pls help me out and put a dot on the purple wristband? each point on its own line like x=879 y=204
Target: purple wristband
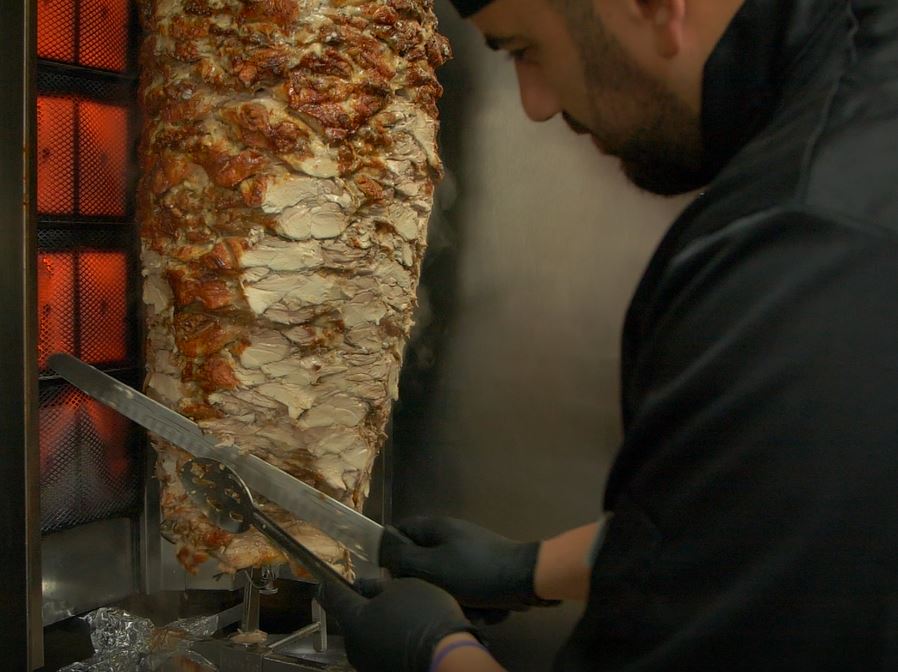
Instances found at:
x=441 y=656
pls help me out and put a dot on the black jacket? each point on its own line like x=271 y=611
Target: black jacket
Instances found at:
x=756 y=491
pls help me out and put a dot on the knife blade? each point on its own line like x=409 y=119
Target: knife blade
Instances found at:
x=360 y=535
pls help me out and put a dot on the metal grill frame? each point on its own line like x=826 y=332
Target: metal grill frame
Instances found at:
x=76 y=484
x=77 y=15
x=56 y=113
x=78 y=234
x=74 y=239
x=21 y=638
x=103 y=190
x=57 y=80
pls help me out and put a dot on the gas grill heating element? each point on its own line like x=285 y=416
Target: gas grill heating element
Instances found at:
x=87 y=267
x=97 y=480
x=91 y=33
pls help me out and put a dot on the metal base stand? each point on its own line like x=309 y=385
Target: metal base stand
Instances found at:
x=304 y=649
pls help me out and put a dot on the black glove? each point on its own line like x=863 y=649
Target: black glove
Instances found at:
x=479 y=568
x=398 y=628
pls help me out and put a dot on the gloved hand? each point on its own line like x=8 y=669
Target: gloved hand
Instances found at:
x=398 y=628
x=479 y=568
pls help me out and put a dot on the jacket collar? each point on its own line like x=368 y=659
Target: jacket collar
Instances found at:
x=745 y=76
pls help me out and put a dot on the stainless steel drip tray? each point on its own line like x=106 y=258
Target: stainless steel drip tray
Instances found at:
x=298 y=656
x=288 y=612
x=69 y=641
x=86 y=567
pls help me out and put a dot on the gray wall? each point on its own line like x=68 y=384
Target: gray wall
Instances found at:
x=508 y=413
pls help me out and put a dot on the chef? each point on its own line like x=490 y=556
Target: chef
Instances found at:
x=752 y=512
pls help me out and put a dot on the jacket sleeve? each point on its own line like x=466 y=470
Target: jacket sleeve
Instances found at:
x=756 y=492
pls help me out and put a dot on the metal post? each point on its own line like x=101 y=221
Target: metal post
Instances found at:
x=249 y=622
x=21 y=642
x=150 y=544
x=319 y=640
x=258 y=582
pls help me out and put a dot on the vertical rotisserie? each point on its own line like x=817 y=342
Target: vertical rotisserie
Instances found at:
x=288 y=161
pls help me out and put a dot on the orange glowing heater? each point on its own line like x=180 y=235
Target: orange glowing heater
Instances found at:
x=55 y=301
x=96 y=304
x=81 y=485
x=92 y=33
x=88 y=276
x=55 y=155
x=82 y=153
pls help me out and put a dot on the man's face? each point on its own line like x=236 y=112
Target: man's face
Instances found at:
x=569 y=63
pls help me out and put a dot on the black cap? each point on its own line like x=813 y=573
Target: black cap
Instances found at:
x=468 y=7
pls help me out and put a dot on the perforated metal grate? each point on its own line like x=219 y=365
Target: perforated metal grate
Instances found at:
x=88 y=274
x=84 y=287
x=90 y=460
x=102 y=159
x=82 y=157
x=55 y=155
x=103 y=306
x=56 y=30
x=103 y=39
x=91 y=33
x=55 y=304
x=85 y=84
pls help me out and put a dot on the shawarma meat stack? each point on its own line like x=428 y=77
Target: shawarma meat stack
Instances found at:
x=288 y=161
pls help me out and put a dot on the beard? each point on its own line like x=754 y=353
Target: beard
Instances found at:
x=662 y=167
x=633 y=116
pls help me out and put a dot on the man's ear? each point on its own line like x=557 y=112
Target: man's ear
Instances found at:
x=666 y=19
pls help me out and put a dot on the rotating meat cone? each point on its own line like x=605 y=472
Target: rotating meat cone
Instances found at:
x=288 y=161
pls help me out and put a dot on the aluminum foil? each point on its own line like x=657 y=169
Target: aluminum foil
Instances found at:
x=124 y=642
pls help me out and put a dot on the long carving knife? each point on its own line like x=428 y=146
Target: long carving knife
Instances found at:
x=360 y=535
